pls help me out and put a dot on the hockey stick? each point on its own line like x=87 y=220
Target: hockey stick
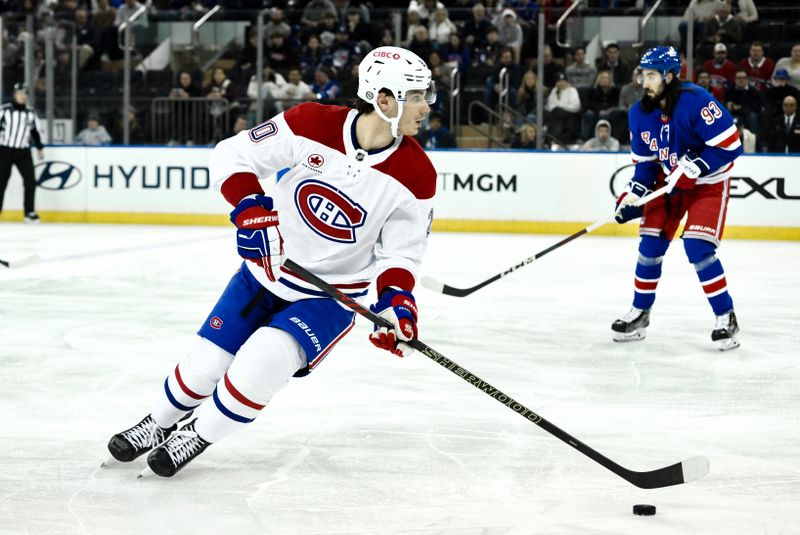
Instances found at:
x=676 y=474
x=438 y=286
x=27 y=261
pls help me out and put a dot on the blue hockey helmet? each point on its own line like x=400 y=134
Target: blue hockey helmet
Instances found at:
x=663 y=59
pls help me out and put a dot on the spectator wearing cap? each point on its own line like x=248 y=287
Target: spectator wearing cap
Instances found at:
x=792 y=66
x=509 y=33
x=721 y=69
x=783 y=135
x=440 y=27
x=619 y=69
x=723 y=27
x=580 y=73
x=94 y=133
x=325 y=88
x=759 y=68
x=314 y=10
x=476 y=28
x=563 y=108
x=773 y=101
x=743 y=101
x=344 y=50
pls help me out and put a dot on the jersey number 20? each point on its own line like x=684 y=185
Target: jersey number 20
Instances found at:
x=711 y=113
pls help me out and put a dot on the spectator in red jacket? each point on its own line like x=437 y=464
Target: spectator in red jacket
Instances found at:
x=721 y=69
x=759 y=68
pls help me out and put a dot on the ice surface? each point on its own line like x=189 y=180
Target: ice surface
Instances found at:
x=370 y=443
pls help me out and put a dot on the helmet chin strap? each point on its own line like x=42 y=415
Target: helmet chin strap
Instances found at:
x=395 y=121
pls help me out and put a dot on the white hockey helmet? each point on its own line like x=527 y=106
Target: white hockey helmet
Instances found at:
x=398 y=70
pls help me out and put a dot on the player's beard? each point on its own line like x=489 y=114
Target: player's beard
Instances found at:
x=651 y=103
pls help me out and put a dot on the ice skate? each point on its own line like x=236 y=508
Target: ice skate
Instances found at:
x=171 y=456
x=632 y=326
x=138 y=440
x=32 y=217
x=724 y=333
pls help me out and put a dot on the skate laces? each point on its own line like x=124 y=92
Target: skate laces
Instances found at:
x=145 y=434
x=183 y=445
x=632 y=315
x=723 y=322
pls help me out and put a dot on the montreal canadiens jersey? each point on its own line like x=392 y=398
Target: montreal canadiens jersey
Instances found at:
x=699 y=124
x=346 y=214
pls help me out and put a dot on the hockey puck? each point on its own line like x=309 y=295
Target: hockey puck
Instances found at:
x=644 y=509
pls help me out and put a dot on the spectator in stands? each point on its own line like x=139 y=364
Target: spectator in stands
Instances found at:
x=455 y=55
x=426 y=8
x=86 y=39
x=248 y=56
x=325 y=88
x=186 y=87
x=745 y=11
x=239 y=124
x=222 y=87
x=579 y=73
x=748 y=138
x=326 y=26
x=526 y=96
x=721 y=69
x=509 y=33
x=704 y=81
x=51 y=29
x=94 y=133
x=783 y=135
x=277 y=24
x=280 y=53
x=344 y=50
x=436 y=136
x=11 y=55
x=563 y=111
x=486 y=56
x=602 y=140
x=349 y=85
x=702 y=12
x=314 y=54
x=773 y=101
x=342 y=7
x=792 y=66
x=440 y=27
x=759 y=69
x=361 y=31
x=272 y=84
x=743 y=101
x=476 y=28
x=294 y=90
x=414 y=22
x=551 y=68
x=421 y=44
x=314 y=10
x=109 y=52
x=620 y=71
x=723 y=27
x=493 y=83
x=527 y=11
x=524 y=137
x=630 y=93
x=601 y=103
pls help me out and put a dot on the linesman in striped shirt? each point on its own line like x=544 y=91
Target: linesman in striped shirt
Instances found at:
x=19 y=127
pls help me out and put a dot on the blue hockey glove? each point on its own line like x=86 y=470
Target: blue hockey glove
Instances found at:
x=258 y=237
x=400 y=308
x=626 y=208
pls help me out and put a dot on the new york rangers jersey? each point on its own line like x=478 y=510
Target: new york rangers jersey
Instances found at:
x=699 y=124
x=346 y=214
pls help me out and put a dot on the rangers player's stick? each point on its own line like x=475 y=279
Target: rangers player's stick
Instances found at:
x=682 y=472
x=437 y=286
x=19 y=263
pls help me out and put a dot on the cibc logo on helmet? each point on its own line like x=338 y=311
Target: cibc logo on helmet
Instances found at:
x=384 y=54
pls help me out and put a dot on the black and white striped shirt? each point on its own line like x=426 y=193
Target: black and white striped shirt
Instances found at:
x=19 y=126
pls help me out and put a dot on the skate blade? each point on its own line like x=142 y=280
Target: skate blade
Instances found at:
x=147 y=472
x=634 y=336
x=727 y=344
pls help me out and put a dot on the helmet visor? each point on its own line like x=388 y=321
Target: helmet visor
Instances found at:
x=417 y=97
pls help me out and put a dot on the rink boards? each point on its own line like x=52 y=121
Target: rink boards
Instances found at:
x=477 y=191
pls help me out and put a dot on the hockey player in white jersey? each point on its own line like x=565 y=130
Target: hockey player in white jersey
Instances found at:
x=354 y=206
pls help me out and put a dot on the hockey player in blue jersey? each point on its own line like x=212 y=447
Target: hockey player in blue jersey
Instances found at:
x=678 y=125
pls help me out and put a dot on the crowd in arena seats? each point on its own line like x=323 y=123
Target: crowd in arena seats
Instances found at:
x=749 y=59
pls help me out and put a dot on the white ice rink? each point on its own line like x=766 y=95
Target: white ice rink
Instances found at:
x=373 y=444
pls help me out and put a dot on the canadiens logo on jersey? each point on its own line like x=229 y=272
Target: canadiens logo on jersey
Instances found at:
x=329 y=212
x=215 y=322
